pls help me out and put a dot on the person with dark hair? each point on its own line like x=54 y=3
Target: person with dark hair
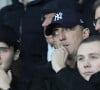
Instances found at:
x=25 y=16
x=9 y=53
x=97 y=15
x=88 y=65
x=68 y=30
x=86 y=9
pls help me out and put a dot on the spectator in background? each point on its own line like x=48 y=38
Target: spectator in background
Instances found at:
x=25 y=17
x=85 y=8
x=97 y=15
x=9 y=53
x=58 y=5
x=72 y=31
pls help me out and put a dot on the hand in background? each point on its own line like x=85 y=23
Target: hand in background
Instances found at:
x=5 y=79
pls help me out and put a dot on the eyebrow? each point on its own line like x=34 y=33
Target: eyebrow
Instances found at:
x=80 y=55
x=94 y=54
x=4 y=47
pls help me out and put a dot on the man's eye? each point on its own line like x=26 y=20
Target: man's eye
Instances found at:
x=94 y=57
x=80 y=58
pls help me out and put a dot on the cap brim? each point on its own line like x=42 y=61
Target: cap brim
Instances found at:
x=50 y=28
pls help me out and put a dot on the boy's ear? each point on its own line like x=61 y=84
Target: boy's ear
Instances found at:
x=86 y=33
x=16 y=55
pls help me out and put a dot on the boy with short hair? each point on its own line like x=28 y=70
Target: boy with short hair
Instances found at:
x=86 y=74
x=9 y=52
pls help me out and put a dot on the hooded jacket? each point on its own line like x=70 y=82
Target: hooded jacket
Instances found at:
x=26 y=20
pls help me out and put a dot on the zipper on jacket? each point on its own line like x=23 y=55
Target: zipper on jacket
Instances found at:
x=20 y=27
x=25 y=8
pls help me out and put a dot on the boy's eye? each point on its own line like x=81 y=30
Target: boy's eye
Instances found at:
x=4 y=49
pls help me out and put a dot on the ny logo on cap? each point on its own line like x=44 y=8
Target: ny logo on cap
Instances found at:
x=58 y=16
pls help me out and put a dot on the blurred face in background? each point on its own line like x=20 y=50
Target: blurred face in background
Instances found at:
x=97 y=19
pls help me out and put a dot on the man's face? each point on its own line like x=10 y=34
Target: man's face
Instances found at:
x=70 y=38
x=88 y=59
x=97 y=19
x=6 y=56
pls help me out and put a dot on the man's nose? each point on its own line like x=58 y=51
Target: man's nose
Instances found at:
x=87 y=64
x=62 y=37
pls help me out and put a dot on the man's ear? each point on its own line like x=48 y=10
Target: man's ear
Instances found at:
x=16 y=55
x=86 y=33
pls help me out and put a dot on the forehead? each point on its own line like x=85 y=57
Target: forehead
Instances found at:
x=2 y=44
x=91 y=47
x=97 y=13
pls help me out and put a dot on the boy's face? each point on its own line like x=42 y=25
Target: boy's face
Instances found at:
x=7 y=55
x=88 y=59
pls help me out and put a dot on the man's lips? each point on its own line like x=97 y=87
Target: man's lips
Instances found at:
x=88 y=73
x=66 y=45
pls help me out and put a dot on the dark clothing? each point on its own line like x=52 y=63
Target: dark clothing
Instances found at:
x=86 y=9
x=44 y=81
x=68 y=4
x=28 y=25
x=26 y=20
x=70 y=79
x=59 y=5
x=14 y=83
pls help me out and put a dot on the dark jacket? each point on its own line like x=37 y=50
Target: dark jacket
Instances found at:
x=44 y=81
x=26 y=20
x=70 y=79
x=68 y=4
x=14 y=84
